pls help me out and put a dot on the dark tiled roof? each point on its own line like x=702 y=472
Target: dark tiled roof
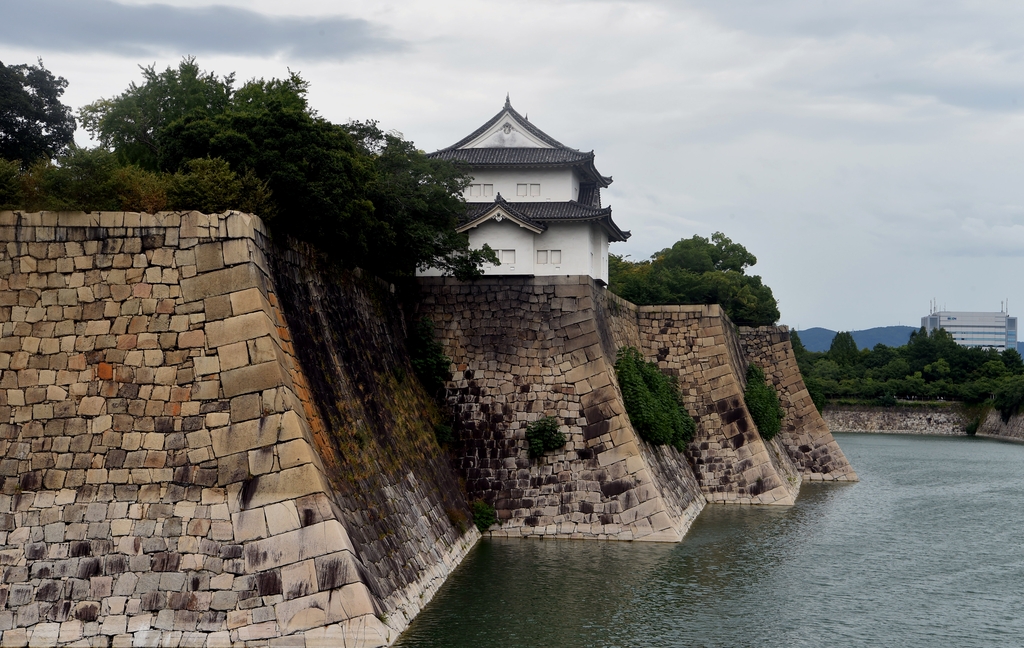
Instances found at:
x=514 y=156
x=539 y=213
x=558 y=155
x=590 y=194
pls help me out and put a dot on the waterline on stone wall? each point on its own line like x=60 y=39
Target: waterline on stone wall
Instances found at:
x=925 y=551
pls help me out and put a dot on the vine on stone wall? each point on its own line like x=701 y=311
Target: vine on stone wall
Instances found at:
x=652 y=401
x=763 y=403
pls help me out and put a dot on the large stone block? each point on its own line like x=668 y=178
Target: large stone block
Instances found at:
x=222 y=282
x=255 y=378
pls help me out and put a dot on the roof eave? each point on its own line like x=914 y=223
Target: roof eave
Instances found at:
x=514 y=215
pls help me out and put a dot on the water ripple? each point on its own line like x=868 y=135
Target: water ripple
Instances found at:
x=925 y=551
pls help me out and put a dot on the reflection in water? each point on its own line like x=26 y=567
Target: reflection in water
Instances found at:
x=925 y=551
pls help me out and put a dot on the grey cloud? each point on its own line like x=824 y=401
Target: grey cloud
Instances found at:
x=139 y=30
x=877 y=49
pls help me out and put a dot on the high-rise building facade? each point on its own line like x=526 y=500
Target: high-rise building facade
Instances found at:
x=986 y=330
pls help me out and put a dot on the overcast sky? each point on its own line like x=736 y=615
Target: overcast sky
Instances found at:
x=869 y=153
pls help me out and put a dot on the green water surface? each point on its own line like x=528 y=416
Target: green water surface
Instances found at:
x=927 y=550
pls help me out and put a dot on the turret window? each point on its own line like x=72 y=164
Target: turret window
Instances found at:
x=508 y=256
x=477 y=190
x=525 y=190
x=549 y=256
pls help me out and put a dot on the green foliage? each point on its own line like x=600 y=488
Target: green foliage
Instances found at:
x=929 y=367
x=843 y=350
x=697 y=271
x=816 y=391
x=1013 y=362
x=1009 y=397
x=139 y=190
x=484 y=515
x=10 y=184
x=763 y=403
x=134 y=123
x=34 y=124
x=972 y=427
x=429 y=362
x=652 y=401
x=208 y=185
x=886 y=400
x=188 y=139
x=798 y=346
x=445 y=435
x=81 y=179
x=543 y=435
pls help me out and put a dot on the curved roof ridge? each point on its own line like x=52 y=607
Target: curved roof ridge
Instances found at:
x=523 y=121
x=539 y=214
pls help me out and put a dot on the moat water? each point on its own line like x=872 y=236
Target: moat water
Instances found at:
x=927 y=550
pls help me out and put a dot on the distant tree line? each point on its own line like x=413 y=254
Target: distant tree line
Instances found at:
x=697 y=271
x=929 y=367
x=189 y=139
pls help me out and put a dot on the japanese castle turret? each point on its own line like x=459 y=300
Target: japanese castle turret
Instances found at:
x=535 y=201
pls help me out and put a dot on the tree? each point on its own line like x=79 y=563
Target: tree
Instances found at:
x=133 y=123
x=843 y=349
x=34 y=124
x=697 y=254
x=1013 y=361
x=10 y=184
x=366 y=198
x=698 y=271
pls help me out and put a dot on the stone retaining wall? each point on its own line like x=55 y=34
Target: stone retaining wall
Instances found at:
x=175 y=469
x=524 y=348
x=556 y=337
x=731 y=460
x=996 y=428
x=946 y=421
x=805 y=435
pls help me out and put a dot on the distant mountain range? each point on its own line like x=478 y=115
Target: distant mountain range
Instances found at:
x=820 y=339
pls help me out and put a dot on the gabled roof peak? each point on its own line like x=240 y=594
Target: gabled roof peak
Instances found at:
x=509 y=139
x=510 y=119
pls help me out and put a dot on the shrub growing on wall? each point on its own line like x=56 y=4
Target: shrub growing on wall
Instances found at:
x=1009 y=397
x=763 y=403
x=428 y=359
x=652 y=401
x=543 y=435
x=483 y=515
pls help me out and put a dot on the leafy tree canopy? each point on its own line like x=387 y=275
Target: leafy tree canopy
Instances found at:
x=133 y=123
x=34 y=124
x=843 y=349
x=698 y=271
x=188 y=139
x=929 y=366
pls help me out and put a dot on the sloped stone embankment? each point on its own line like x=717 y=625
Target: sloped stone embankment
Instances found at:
x=526 y=347
x=207 y=440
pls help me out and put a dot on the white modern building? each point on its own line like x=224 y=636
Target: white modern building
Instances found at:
x=986 y=330
x=535 y=201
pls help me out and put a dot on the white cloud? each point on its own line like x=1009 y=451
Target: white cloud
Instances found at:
x=867 y=152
